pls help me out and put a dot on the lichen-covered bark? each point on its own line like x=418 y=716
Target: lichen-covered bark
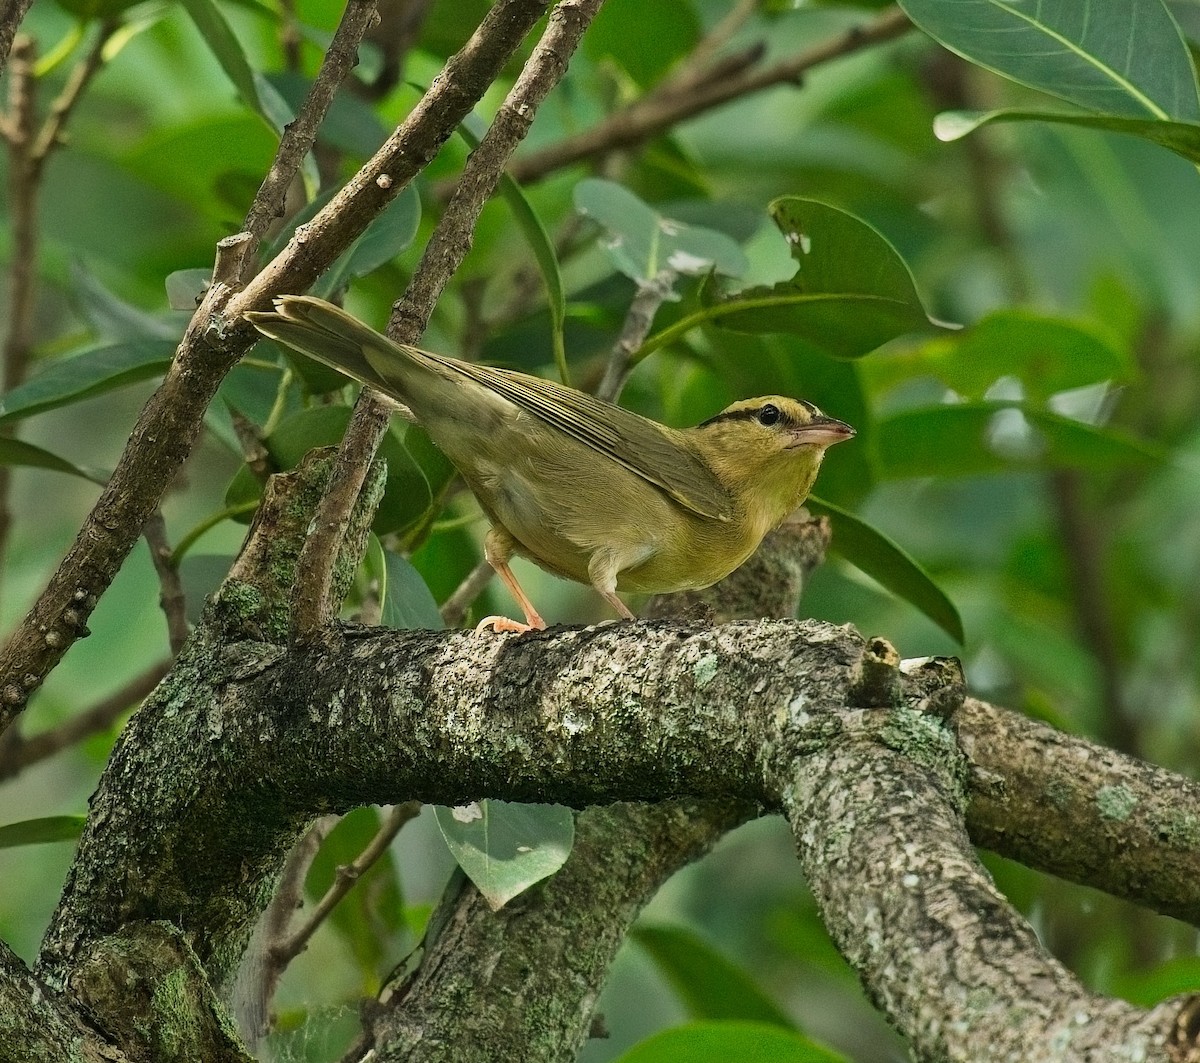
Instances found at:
x=939 y=949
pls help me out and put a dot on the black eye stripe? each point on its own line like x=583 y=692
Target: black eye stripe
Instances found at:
x=754 y=413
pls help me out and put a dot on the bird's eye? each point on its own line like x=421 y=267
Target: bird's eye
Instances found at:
x=769 y=415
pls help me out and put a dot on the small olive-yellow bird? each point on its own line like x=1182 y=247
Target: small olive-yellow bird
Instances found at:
x=583 y=488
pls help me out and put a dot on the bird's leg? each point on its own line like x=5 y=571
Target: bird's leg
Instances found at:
x=602 y=569
x=497 y=549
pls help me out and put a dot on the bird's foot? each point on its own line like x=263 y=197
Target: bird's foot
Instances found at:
x=500 y=624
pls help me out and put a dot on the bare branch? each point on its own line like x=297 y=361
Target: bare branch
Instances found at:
x=347 y=877
x=171 y=420
x=638 y=322
x=447 y=247
x=171 y=596
x=649 y=116
x=300 y=134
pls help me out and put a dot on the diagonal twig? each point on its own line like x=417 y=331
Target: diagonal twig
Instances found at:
x=447 y=247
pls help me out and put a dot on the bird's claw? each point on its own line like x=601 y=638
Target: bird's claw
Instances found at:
x=500 y=624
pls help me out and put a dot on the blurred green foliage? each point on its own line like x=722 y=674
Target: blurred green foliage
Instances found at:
x=1031 y=475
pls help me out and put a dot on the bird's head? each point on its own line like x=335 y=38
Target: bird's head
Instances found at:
x=768 y=450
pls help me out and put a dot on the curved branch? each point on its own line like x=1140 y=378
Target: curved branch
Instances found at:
x=937 y=946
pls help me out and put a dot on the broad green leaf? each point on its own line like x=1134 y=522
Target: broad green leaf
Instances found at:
x=392 y=232
x=18 y=452
x=886 y=562
x=852 y=292
x=1183 y=138
x=40 y=831
x=1112 y=56
x=641 y=242
x=1047 y=355
x=112 y=318
x=729 y=1042
x=227 y=50
x=407 y=601
x=543 y=251
x=370 y=919
x=710 y=986
x=406 y=492
x=94 y=372
x=970 y=439
x=645 y=57
x=505 y=848
x=350 y=124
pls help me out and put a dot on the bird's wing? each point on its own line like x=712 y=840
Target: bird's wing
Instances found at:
x=646 y=448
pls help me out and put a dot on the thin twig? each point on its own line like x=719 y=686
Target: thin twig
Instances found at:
x=345 y=879
x=693 y=67
x=262 y=971
x=455 y=607
x=171 y=596
x=299 y=135
x=649 y=116
x=447 y=247
x=19 y=753
x=51 y=133
x=650 y=296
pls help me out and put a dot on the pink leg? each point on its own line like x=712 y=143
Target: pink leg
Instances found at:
x=497 y=549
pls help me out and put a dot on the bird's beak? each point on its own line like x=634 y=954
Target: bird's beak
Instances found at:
x=821 y=431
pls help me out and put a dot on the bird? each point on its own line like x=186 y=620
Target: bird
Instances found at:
x=585 y=489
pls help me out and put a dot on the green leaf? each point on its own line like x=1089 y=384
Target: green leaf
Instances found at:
x=1046 y=354
x=370 y=918
x=729 y=1042
x=228 y=51
x=1111 y=56
x=40 y=831
x=851 y=293
x=505 y=848
x=1146 y=988
x=18 y=452
x=392 y=232
x=886 y=562
x=407 y=601
x=1183 y=138
x=710 y=986
x=112 y=318
x=543 y=252
x=970 y=439
x=641 y=242
x=644 y=56
x=406 y=492
x=94 y=372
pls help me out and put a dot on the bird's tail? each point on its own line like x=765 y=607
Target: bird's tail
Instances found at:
x=330 y=335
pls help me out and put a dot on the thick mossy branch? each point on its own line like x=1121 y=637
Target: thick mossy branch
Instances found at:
x=145 y=987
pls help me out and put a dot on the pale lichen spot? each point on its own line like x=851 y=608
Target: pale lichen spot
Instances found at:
x=467 y=813
x=704 y=671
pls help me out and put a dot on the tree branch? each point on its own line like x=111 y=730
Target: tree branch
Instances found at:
x=171 y=420
x=937 y=946
x=12 y=14
x=651 y=115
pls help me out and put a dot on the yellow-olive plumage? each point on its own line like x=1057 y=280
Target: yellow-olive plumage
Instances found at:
x=585 y=489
